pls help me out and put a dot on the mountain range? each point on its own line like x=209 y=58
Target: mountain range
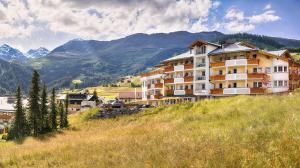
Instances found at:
x=98 y=62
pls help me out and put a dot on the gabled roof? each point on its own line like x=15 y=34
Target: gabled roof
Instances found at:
x=201 y=42
x=234 y=47
x=180 y=56
x=277 y=53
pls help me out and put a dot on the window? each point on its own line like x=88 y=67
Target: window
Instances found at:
x=235 y=57
x=234 y=71
x=181 y=87
x=275 y=84
x=285 y=69
x=220 y=72
x=254 y=70
x=221 y=58
x=203 y=60
x=254 y=56
x=186 y=87
x=280 y=69
x=220 y=85
x=229 y=86
x=192 y=86
x=203 y=86
x=285 y=83
x=280 y=83
x=203 y=73
x=242 y=57
x=275 y=69
x=234 y=85
x=257 y=84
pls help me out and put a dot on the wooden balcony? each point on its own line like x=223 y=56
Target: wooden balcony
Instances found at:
x=158 y=96
x=188 y=91
x=216 y=91
x=170 y=92
x=253 y=61
x=217 y=64
x=256 y=75
x=151 y=73
x=169 y=69
x=188 y=79
x=217 y=77
x=257 y=90
x=170 y=80
x=188 y=66
x=158 y=85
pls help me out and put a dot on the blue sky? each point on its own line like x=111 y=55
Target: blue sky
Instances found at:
x=27 y=24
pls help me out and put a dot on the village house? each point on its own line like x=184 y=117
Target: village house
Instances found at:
x=210 y=70
x=78 y=101
x=128 y=97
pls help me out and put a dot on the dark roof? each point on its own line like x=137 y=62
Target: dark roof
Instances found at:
x=77 y=96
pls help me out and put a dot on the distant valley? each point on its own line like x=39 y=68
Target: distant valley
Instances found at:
x=98 y=62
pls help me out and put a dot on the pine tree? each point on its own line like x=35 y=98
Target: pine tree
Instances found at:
x=61 y=114
x=95 y=95
x=53 y=113
x=34 y=106
x=19 y=127
x=44 y=111
x=66 y=122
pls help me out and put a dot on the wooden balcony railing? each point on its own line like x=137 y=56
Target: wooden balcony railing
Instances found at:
x=188 y=66
x=188 y=79
x=170 y=80
x=253 y=61
x=188 y=91
x=256 y=75
x=159 y=96
x=170 y=92
x=216 y=91
x=217 y=77
x=151 y=73
x=158 y=85
x=169 y=69
x=217 y=64
x=257 y=90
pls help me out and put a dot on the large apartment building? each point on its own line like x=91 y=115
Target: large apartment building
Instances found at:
x=209 y=69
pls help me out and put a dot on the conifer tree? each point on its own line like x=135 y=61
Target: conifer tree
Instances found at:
x=66 y=122
x=53 y=113
x=95 y=95
x=44 y=111
x=34 y=106
x=61 y=114
x=19 y=127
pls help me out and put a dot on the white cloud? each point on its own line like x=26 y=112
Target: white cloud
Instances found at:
x=104 y=19
x=236 y=21
x=267 y=7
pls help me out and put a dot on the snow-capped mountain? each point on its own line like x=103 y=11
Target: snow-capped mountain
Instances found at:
x=8 y=53
x=40 y=52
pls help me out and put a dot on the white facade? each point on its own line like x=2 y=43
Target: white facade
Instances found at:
x=280 y=76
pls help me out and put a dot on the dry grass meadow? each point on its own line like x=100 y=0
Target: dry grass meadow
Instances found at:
x=242 y=131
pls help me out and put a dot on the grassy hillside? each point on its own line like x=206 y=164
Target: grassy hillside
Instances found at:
x=240 y=131
x=112 y=92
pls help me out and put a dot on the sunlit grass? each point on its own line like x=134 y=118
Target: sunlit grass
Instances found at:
x=242 y=131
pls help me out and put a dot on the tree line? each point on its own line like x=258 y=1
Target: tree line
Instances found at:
x=41 y=116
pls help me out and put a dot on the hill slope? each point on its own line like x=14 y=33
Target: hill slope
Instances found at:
x=242 y=131
x=12 y=74
x=96 y=62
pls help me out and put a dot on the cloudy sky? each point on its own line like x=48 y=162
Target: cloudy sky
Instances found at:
x=27 y=24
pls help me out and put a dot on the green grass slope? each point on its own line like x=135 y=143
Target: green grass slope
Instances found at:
x=242 y=131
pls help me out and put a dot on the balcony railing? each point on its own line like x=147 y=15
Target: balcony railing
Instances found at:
x=152 y=73
x=241 y=76
x=236 y=62
x=179 y=68
x=169 y=69
x=256 y=75
x=189 y=91
x=188 y=79
x=257 y=90
x=178 y=80
x=218 y=77
x=179 y=92
x=253 y=61
x=217 y=64
x=188 y=66
x=158 y=85
x=216 y=91
x=170 y=80
x=236 y=91
x=158 y=96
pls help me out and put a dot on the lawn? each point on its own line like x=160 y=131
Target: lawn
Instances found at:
x=241 y=131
